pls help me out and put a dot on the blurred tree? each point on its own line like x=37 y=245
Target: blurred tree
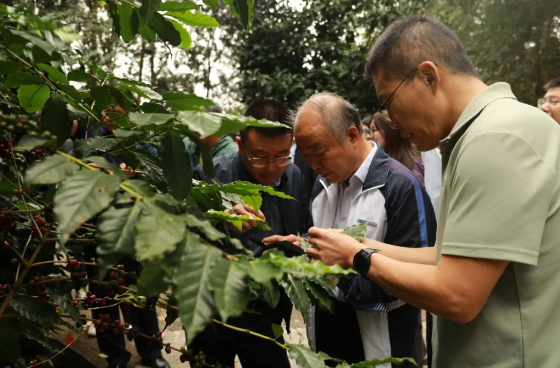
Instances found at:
x=516 y=41
x=292 y=53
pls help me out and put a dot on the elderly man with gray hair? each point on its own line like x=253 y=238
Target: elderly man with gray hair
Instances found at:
x=360 y=183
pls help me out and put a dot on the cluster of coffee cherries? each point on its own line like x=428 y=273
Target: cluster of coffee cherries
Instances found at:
x=41 y=226
x=6 y=147
x=104 y=324
x=90 y=300
x=197 y=360
x=40 y=289
x=7 y=220
x=5 y=288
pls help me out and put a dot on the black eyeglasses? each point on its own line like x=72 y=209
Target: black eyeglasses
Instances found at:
x=386 y=104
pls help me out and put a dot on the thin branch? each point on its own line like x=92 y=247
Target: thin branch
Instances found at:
x=26 y=270
x=23 y=211
x=57 y=354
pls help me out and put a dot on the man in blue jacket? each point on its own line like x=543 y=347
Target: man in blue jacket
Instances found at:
x=360 y=183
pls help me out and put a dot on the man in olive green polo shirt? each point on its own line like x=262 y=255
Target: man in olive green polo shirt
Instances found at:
x=493 y=281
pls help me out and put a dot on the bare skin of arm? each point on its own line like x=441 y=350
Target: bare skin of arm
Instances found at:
x=410 y=255
x=456 y=288
x=403 y=254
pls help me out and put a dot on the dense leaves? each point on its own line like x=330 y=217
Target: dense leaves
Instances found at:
x=76 y=174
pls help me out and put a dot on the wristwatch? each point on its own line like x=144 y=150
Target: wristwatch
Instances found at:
x=362 y=262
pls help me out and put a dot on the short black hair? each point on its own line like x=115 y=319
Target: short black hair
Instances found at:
x=553 y=83
x=407 y=42
x=271 y=110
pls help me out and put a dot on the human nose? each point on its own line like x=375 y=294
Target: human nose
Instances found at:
x=393 y=124
x=314 y=164
x=270 y=166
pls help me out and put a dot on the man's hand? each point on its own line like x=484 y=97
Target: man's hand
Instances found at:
x=278 y=238
x=332 y=247
x=243 y=209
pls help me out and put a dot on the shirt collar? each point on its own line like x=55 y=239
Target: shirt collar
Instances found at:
x=363 y=170
x=488 y=95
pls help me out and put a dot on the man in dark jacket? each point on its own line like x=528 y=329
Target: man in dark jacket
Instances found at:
x=263 y=158
x=360 y=184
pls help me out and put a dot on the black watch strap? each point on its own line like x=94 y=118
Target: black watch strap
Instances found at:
x=362 y=261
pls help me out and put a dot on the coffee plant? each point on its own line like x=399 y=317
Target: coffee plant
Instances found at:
x=59 y=195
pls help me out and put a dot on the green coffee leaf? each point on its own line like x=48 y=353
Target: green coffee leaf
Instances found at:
x=176 y=164
x=158 y=232
x=196 y=304
x=128 y=21
x=33 y=97
x=116 y=233
x=229 y=284
x=305 y=357
x=80 y=197
x=356 y=231
x=181 y=101
x=195 y=19
x=50 y=170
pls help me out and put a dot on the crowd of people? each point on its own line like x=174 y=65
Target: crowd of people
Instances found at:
x=457 y=183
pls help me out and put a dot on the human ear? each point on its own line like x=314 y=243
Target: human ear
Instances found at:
x=239 y=144
x=429 y=73
x=353 y=134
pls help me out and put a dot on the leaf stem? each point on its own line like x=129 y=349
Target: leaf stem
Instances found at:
x=82 y=163
x=249 y=332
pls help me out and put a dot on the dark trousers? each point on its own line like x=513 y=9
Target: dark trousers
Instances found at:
x=113 y=345
x=221 y=344
x=338 y=333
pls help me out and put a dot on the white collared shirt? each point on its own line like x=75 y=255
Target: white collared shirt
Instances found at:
x=347 y=191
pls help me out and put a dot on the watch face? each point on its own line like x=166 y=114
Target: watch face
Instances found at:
x=360 y=261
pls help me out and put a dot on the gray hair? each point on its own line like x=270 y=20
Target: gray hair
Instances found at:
x=337 y=114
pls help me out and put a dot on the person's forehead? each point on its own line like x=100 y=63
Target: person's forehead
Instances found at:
x=309 y=121
x=262 y=142
x=384 y=85
x=311 y=133
x=555 y=91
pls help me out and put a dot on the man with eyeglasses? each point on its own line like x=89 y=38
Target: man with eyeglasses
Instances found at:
x=492 y=279
x=360 y=184
x=263 y=158
x=550 y=103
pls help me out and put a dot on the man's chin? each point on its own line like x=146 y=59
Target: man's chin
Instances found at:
x=332 y=179
x=268 y=181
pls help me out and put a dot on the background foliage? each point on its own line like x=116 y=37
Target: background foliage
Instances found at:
x=513 y=41
x=58 y=196
x=290 y=54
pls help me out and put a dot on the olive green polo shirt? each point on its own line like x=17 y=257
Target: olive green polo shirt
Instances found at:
x=501 y=200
